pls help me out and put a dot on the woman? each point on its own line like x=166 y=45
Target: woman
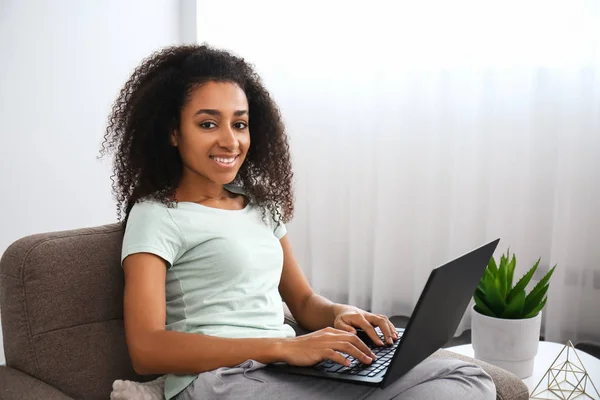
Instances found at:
x=203 y=180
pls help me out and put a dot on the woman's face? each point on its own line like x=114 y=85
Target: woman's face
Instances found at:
x=214 y=138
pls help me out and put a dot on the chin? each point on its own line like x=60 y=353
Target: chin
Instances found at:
x=224 y=179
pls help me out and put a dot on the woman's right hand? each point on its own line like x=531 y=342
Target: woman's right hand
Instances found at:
x=328 y=343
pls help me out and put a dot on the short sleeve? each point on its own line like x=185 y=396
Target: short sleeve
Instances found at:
x=279 y=229
x=151 y=229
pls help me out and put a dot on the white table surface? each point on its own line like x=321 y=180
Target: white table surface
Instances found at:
x=547 y=353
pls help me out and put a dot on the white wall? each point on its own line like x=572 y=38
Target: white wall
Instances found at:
x=62 y=65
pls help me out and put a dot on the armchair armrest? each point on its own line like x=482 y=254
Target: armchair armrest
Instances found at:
x=17 y=385
x=289 y=319
x=508 y=385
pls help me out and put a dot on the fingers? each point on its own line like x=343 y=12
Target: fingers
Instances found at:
x=387 y=328
x=350 y=344
x=393 y=329
x=360 y=321
x=361 y=346
x=336 y=357
x=354 y=350
x=366 y=322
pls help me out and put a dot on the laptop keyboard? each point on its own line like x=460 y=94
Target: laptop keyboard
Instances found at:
x=384 y=356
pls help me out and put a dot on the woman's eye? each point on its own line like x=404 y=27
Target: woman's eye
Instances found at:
x=207 y=125
x=240 y=125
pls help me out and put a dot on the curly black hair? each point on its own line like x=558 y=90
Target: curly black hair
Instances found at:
x=148 y=110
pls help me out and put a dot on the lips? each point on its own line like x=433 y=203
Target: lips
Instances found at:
x=225 y=160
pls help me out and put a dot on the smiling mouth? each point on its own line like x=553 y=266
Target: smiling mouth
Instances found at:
x=225 y=161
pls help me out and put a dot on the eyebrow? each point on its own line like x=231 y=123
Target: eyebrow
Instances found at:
x=238 y=113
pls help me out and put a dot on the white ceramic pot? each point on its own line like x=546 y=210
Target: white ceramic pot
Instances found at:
x=510 y=344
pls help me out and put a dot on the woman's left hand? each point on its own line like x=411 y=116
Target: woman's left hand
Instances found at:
x=348 y=318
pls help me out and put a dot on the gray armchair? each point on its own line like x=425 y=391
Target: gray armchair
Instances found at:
x=61 y=297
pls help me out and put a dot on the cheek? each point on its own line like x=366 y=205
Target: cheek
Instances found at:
x=193 y=150
x=245 y=141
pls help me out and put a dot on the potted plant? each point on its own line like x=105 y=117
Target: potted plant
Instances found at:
x=505 y=319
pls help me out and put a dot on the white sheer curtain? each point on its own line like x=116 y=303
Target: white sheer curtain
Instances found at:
x=420 y=131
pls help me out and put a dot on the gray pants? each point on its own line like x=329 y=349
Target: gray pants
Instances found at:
x=433 y=379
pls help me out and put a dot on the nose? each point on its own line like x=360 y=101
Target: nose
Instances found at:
x=228 y=140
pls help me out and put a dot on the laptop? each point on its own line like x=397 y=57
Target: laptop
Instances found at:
x=433 y=323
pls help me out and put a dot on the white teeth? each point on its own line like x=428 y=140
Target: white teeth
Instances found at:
x=224 y=160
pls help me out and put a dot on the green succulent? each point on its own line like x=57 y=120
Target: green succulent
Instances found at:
x=496 y=297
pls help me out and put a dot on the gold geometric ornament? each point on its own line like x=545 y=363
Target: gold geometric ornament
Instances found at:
x=566 y=379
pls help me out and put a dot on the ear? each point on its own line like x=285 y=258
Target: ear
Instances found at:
x=174 y=135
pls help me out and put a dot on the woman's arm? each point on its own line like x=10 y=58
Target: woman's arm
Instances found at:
x=311 y=310
x=154 y=350
x=316 y=312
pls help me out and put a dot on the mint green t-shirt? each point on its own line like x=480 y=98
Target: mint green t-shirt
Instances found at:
x=223 y=270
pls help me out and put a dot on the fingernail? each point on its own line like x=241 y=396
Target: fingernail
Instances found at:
x=390 y=341
x=369 y=360
x=373 y=356
x=380 y=342
x=348 y=362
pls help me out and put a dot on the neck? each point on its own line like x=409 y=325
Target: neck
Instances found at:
x=197 y=188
